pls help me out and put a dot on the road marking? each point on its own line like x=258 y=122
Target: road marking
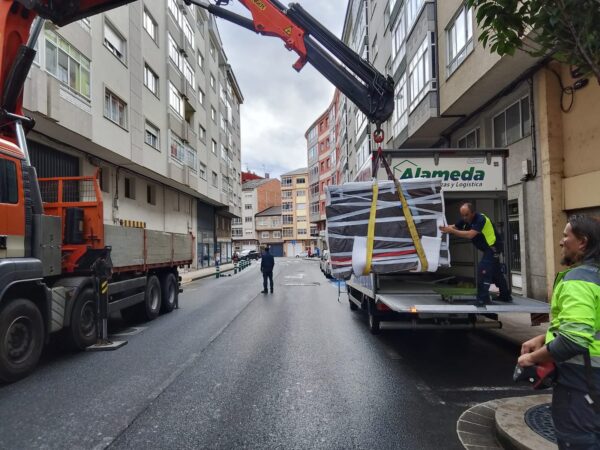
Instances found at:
x=132 y=331
x=314 y=283
x=296 y=277
x=429 y=395
x=487 y=389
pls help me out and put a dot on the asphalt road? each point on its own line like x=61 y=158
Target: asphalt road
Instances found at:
x=234 y=368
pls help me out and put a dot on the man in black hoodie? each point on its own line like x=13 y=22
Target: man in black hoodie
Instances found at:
x=267 y=263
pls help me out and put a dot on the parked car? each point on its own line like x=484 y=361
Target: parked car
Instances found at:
x=302 y=255
x=249 y=255
x=325 y=263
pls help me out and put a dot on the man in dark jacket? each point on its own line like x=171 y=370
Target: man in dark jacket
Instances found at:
x=267 y=263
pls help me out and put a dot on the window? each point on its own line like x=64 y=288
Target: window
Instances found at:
x=150 y=80
x=176 y=101
x=200 y=60
x=512 y=124
x=287 y=219
x=302 y=232
x=200 y=96
x=470 y=140
x=213 y=147
x=114 y=42
x=191 y=158
x=151 y=194
x=151 y=136
x=419 y=74
x=247 y=206
x=401 y=106
x=9 y=192
x=265 y=235
x=202 y=171
x=174 y=54
x=201 y=133
x=300 y=193
x=175 y=11
x=287 y=206
x=286 y=181
x=413 y=7
x=460 y=38
x=150 y=25
x=213 y=82
x=286 y=194
x=212 y=50
x=115 y=109
x=213 y=114
x=236 y=232
x=66 y=63
x=276 y=234
x=300 y=206
x=300 y=180
x=288 y=232
x=248 y=219
x=223 y=123
x=177 y=148
x=130 y=188
x=215 y=179
x=188 y=33
x=189 y=74
x=301 y=219
x=398 y=37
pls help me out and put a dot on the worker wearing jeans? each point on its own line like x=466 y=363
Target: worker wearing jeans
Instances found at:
x=267 y=263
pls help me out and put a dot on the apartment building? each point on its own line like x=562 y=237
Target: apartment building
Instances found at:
x=269 y=230
x=257 y=196
x=295 y=217
x=143 y=96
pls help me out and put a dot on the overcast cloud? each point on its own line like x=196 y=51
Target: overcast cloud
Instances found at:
x=279 y=103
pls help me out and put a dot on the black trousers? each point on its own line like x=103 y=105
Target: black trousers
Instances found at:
x=576 y=424
x=267 y=276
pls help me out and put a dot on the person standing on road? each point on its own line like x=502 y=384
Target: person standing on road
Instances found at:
x=267 y=262
x=481 y=231
x=573 y=338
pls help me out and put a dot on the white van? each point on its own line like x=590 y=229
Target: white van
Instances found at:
x=325 y=263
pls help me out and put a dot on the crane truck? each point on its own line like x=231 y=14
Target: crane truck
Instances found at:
x=54 y=244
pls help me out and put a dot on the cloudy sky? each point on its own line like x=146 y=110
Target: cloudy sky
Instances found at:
x=279 y=103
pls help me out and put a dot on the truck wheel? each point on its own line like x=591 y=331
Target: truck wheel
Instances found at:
x=170 y=292
x=82 y=332
x=152 y=299
x=353 y=306
x=21 y=339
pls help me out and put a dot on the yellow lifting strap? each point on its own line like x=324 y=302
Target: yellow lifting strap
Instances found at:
x=411 y=227
x=371 y=228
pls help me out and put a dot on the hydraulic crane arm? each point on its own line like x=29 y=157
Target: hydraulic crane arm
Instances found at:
x=358 y=80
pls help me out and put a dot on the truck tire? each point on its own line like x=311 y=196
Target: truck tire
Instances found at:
x=152 y=299
x=83 y=332
x=170 y=292
x=21 y=339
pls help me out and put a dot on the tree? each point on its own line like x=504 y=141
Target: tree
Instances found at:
x=567 y=30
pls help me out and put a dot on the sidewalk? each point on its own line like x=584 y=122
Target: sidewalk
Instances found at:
x=196 y=274
x=501 y=423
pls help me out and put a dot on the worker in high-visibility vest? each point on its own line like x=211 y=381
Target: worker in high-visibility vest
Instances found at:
x=481 y=231
x=572 y=342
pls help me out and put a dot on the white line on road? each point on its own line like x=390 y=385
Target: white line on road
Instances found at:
x=429 y=395
x=486 y=389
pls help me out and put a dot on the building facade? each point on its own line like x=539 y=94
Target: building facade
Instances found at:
x=257 y=196
x=143 y=97
x=269 y=230
x=295 y=217
x=450 y=91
